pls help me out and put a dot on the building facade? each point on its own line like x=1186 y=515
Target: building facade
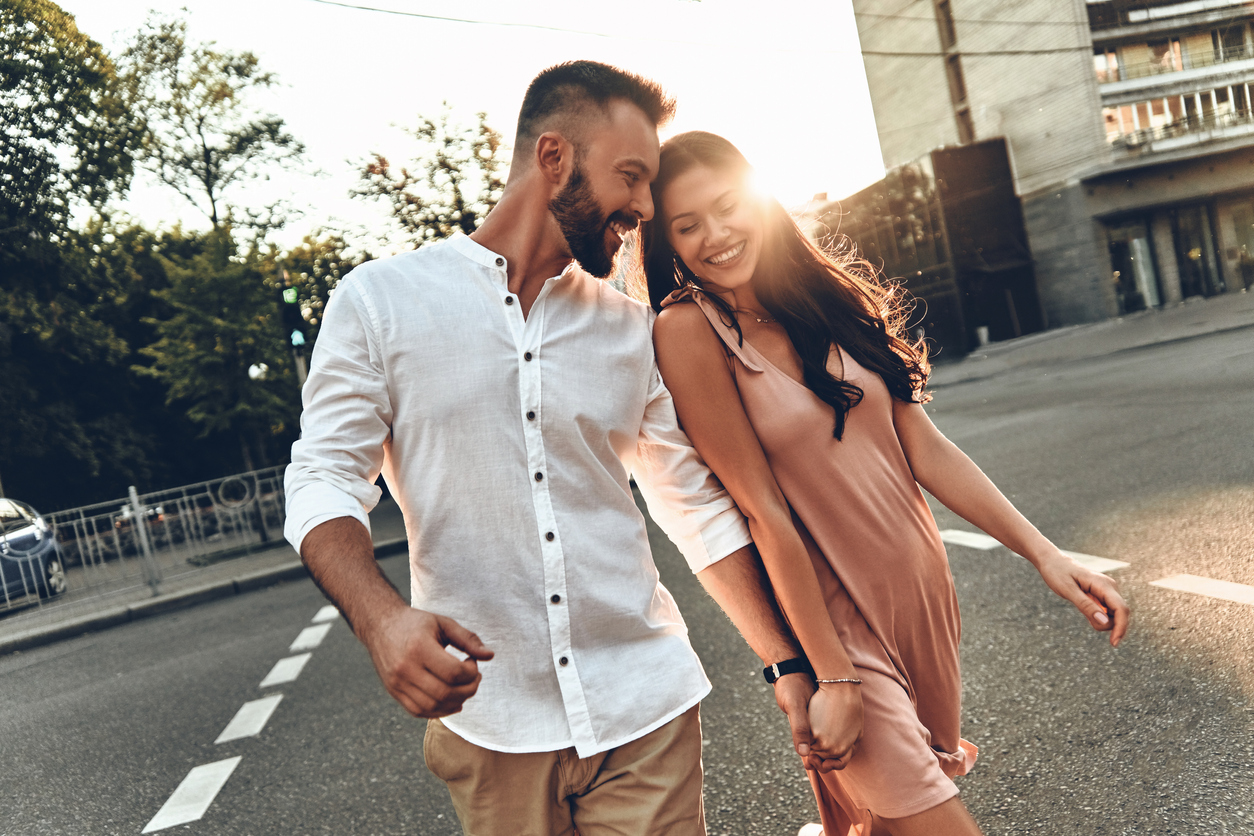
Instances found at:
x=1129 y=128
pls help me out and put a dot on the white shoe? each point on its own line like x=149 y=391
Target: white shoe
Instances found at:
x=810 y=829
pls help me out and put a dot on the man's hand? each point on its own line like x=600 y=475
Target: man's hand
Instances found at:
x=792 y=693
x=836 y=722
x=408 y=650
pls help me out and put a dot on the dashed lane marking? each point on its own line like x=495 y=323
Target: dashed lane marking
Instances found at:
x=1224 y=590
x=194 y=795
x=1097 y=564
x=310 y=638
x=250 y=719
x=970 y=539
x=327 y=613
x=285 y=670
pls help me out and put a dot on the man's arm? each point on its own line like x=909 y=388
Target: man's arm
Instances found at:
x=406 y=645
x=739 y=585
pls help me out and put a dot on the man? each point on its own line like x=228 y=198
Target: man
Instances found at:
x=506 y=395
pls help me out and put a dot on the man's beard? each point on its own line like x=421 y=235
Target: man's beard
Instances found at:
x=583 y=225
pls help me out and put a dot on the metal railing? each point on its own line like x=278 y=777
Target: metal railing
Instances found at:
x=1185 y=126
x=1173 y=64
x=145 y=538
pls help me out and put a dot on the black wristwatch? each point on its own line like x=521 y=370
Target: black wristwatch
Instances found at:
x=799 y=665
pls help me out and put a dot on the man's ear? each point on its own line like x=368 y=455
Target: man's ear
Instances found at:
x=553 y=156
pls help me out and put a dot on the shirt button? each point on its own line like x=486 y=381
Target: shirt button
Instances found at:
x=539 y=476
x=549 y=536
x=531 y=416
x=563 y=661
x=509 y=300
x=556 y=599
x=527 y=355
x=500 y=262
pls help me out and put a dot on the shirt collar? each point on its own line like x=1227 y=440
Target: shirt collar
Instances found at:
x=480 y=254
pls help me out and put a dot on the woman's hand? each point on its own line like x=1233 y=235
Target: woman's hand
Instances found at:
x=1094 y=595
x=836 y=721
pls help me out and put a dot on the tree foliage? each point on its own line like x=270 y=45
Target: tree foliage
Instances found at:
x=222 y=319
x=66 y=134
x=457 y=179
x=201 y=135
x=314 y=268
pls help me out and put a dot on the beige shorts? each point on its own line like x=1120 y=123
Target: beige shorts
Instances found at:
x=648 y=787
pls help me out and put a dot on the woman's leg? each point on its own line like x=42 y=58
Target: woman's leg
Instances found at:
x=948 y=819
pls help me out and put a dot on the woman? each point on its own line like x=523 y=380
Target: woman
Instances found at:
x=792 y=375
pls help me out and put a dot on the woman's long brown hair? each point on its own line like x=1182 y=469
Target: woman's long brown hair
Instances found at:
x=821 y=298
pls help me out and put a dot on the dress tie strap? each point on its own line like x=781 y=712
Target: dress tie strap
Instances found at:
x=744 y=353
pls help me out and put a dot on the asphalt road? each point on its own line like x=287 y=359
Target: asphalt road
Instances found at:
x=1144 y=456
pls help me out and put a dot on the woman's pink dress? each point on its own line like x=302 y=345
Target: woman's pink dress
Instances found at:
x=885 y=578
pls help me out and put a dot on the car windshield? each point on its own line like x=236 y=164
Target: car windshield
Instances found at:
x=12 y=518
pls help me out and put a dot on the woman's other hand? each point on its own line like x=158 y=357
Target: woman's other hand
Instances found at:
x=1094 y=595
x=836 y=721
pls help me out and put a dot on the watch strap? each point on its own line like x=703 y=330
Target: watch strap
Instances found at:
x=797 y=665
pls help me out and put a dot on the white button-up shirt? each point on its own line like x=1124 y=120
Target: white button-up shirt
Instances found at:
x=508 y=443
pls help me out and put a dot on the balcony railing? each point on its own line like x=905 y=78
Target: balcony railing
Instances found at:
x=1171 y=63
x=1189 y=127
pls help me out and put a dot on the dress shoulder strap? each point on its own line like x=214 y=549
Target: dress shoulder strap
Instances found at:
x=743 y=352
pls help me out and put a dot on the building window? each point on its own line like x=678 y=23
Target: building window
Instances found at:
x=1106 y=65
x=1229 y=43
x=957 y=86
x=945 y=22
x=966 y=128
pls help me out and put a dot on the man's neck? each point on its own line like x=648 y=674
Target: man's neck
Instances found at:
x=521 y=229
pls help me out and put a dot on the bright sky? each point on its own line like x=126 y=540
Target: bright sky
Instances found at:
x=783 y=80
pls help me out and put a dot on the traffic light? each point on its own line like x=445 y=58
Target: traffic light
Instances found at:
x=294 y=324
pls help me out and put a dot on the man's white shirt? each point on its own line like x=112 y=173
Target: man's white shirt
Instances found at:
x=508 y=444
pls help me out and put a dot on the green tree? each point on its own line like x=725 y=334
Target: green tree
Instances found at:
x=222 y=321
x=314 y=268
x=65 y=147
x=456 y=180
x=201 y=135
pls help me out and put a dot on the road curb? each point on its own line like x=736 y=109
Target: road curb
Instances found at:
x=126 y=613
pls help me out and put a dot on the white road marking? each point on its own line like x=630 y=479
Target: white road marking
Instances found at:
x=1097 y=564
x=285 y=670
x=310 y=638
x=327 y=613
x=192 y=797
x=1225 y=590
x=970 y=539
x=250 y=719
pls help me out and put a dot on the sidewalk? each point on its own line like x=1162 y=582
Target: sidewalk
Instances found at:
x=1193 y=318
x=66 y=618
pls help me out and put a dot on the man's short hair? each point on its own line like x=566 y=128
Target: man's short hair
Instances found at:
x=570 y=89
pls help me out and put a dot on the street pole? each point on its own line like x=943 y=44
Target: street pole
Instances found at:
x=152 y=573
x=302 y=370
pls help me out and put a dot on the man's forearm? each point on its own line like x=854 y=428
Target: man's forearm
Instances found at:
x=739 y=585
x=340 y=557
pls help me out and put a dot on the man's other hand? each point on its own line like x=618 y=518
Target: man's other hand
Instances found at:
x=792 y=693
x=408 y=651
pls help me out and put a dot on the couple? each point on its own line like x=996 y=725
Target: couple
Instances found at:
x=506 y=394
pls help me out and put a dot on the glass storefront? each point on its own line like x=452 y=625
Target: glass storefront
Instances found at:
x=1243 y=227
x=1196 y=254
x=1132 y=266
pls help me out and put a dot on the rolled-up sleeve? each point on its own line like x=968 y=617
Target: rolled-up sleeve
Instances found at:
x=346 y=421
x=684 y=497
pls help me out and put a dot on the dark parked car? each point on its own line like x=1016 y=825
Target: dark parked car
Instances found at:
x=30 y=560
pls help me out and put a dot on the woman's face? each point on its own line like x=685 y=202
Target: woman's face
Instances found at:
x=714 y=225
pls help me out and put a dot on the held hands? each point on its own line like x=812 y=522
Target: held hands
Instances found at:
x=1094 y=595
x=407 y=647
x=825 y=723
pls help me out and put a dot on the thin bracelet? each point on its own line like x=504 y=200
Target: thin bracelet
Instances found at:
x=828 y=681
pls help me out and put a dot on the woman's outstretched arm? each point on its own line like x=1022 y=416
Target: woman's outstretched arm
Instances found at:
x=948 y=474
x=694 y=368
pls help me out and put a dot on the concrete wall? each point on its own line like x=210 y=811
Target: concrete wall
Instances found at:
x=1047 y=106
x=909 y=94
x=1165 y=257
x=1073 y=275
